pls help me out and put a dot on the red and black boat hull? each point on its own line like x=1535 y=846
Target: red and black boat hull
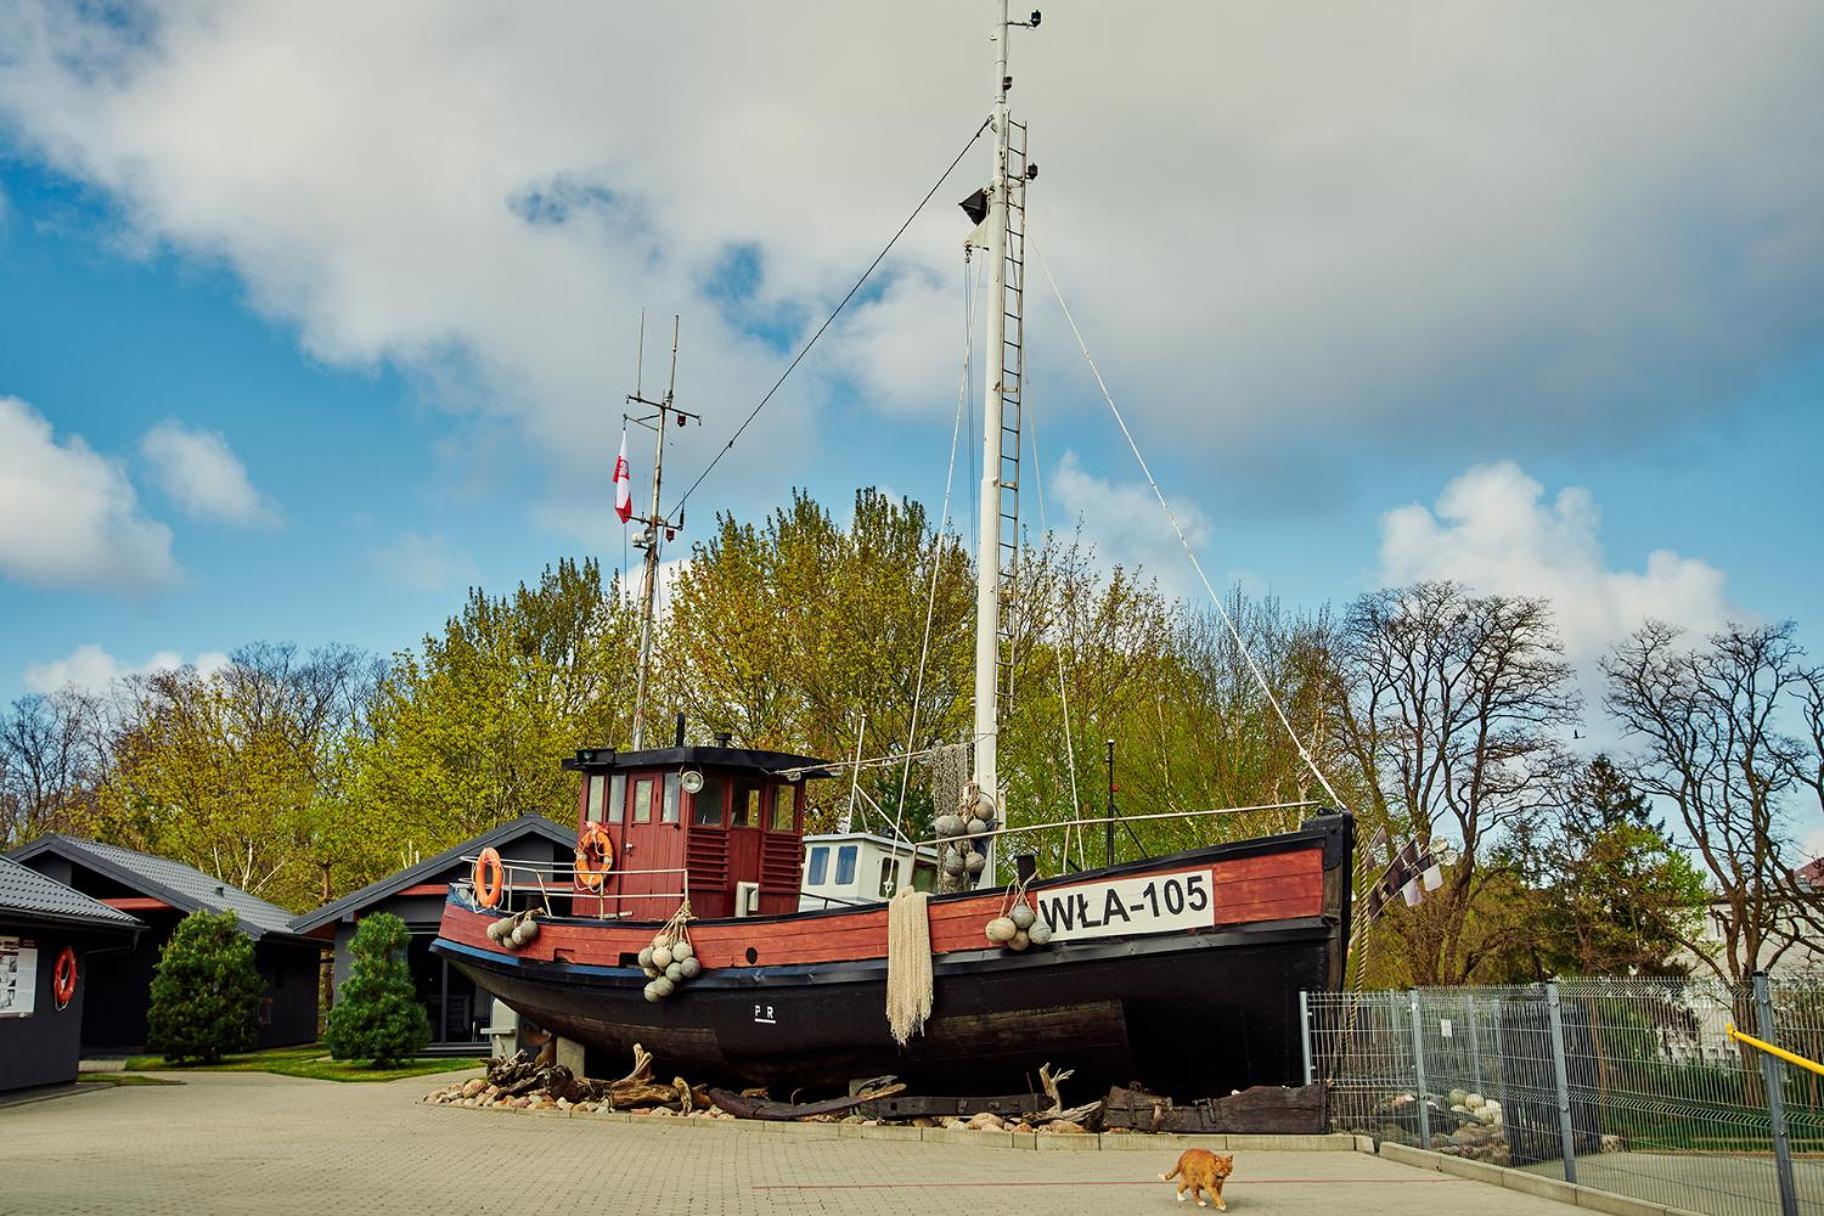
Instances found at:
x=1186 y=1012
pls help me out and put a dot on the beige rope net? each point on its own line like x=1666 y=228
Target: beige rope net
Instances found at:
x=909 y=983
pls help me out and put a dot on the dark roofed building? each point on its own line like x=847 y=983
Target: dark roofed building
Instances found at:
x=161 y=892
x=416 y=895
x=49 y=938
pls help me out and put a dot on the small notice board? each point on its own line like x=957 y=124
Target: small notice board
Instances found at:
x=18 y=976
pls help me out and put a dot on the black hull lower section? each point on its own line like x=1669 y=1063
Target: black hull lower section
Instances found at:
x=1191 y=1015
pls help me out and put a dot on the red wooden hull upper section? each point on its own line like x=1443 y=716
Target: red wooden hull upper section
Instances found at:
x=1281 y=885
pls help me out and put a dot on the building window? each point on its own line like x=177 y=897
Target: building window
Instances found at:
x=670 y=813
x=642 y=800
x=784 y=798
x=598 y=790
x=845 y=864
x=820 y=865
x=888 y=870
x=706 y=803
x=617 y=798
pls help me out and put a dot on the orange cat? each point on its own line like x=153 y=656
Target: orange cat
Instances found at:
x=1199 y=1170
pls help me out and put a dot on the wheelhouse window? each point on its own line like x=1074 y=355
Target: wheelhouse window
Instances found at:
x=845 y=864
x=889 y=877
x=785 y=799
x=642 y=800
x=706 y=803
x=924 y=877
x=598 y=795
x=820 y=865
x=669 y=814
x=617 y=798
x=749 y=807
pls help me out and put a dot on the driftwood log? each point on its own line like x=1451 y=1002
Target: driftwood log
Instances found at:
x=525 y=1074
x=1264 y=1110
x=745 y=1107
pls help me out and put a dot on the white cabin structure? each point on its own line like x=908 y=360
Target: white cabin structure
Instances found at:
x=842 y=869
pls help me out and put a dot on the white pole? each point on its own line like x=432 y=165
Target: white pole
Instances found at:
x=988 y=556
x=652 y=552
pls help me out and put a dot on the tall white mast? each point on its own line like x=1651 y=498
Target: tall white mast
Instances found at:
x=988 y=547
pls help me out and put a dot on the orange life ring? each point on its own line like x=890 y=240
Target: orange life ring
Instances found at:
x=63 y=977
x=490 y=877
x=594 y=857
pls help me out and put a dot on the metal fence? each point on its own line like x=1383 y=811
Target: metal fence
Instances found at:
x=1632 y=1086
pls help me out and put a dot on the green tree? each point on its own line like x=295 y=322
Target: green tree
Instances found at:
x=206 y=992
x=1604 y=891
x=377 y=1015
x=238 y=772
x=469 y=731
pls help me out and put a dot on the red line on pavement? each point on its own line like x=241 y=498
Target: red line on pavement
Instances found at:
x=944 y=1186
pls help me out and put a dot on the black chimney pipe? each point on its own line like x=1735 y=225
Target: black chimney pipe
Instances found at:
x=679 y=741
x=1109 y=838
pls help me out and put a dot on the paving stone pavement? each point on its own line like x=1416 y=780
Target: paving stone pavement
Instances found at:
x=239 y=1142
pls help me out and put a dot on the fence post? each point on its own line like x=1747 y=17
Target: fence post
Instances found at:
x=1304 y=1029
x=1475 y=1041
x=1418 y=1067
x=1774 y=1074
x=1561 y=1076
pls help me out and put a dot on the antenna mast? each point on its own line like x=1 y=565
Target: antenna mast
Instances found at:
x=998 y=541
x=654 y=524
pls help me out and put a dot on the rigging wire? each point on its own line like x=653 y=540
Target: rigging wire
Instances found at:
x=829 y=320
x=937 y=542
x=1247 y=652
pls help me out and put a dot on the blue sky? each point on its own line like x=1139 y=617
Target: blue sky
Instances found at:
x=415 y=369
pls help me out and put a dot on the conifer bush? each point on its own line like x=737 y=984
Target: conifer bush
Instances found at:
x=377 y=1015
x=206 y=992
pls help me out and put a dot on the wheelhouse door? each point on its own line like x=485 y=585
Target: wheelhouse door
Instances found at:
x=652 y=849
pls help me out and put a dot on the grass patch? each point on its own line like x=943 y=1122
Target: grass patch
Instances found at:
x=311 y=1061
x=123 y=1078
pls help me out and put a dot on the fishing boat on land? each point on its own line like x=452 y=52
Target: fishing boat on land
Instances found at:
x=688 y=923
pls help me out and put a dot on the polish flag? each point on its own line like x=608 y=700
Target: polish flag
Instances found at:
x=623 y=483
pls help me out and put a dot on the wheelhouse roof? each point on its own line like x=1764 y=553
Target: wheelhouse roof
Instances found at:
x=787 y=765
x=374 y=892
x=885 y=842
x=26 y=896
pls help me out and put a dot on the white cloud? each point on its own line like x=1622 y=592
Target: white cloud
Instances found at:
x=89 y=668
x=201 y=474
x=68 y=516
x=424 y=562
x=1124 y=522
x=1268 y=220
x=1493 y=530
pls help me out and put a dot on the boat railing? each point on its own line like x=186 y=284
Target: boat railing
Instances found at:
x=1022 y=829
x=565 y=878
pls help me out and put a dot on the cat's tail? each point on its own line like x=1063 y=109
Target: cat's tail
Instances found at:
x=1173 y=1174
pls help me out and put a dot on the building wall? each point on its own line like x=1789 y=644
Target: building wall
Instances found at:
x=290 y=972
x=114 y=1019
x=44 y=1048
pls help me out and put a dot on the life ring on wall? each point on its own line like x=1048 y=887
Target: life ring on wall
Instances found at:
x=594 y=857
x=490 y=877
x=63 y=977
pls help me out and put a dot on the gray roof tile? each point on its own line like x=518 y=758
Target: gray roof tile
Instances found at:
x=185 y=887
x=25 y=890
